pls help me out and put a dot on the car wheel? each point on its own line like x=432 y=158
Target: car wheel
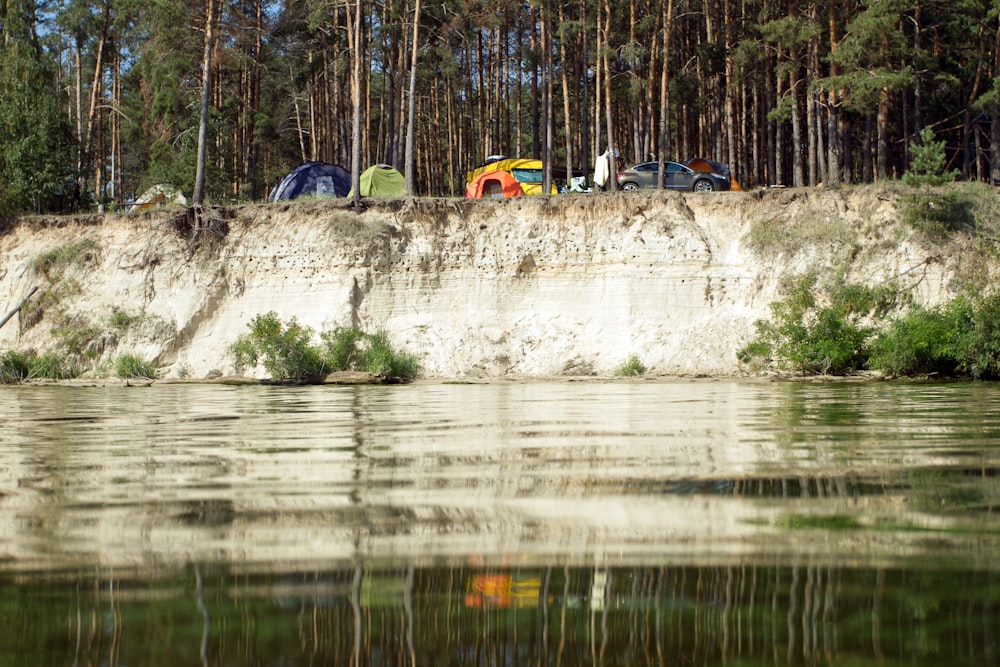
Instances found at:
x=629 y=187
x=703 y=185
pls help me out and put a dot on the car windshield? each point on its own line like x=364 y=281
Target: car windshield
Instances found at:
x=527 y=175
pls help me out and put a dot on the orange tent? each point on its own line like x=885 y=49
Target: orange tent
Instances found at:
x=494 y=184
x=708 y=166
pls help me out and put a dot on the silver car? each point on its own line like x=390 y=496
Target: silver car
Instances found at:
x=677 y=177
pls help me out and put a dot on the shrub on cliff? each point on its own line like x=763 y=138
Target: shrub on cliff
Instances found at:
x=18 y=366
x=960 y=338
x=284 y=350
x=818 y=331
x=925 y=341
x=288 y=355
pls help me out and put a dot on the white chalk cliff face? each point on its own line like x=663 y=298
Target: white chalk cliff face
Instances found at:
x=533 y=287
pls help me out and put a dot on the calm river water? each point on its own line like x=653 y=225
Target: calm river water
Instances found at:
x=542 y=523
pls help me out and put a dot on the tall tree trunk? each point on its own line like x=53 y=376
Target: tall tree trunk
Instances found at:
x=663 y=131
x=547 y=105
x=995 y=117
x=354 y=44
x=567 y=110
x=198 y=197
x=411 y=120
x=608 y=101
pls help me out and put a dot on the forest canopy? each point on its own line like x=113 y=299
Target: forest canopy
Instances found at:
x=100 y=99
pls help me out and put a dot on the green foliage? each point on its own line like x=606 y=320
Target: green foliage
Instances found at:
x=36 y=144
x=121 y=320
x=52 y=366
x=939 y=214
x=18 y=366
x=288 y=355
x=284 y=350
x=342 y=348
x=923 y=342
x=818 y=331
x=979 y=343
x=14 y=367
x=130 y=366
x=52 y=263
x=928 y=162
x=771 y=236
x=632 y=367
x=76 y=338
x=347 y=349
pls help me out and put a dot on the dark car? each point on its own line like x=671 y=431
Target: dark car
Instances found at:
x=677 y=177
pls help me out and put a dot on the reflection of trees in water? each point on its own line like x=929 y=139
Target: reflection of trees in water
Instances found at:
x=671 y=615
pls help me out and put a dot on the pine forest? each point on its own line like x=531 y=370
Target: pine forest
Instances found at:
x=101 y=99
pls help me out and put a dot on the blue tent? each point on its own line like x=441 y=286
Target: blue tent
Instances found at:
x=316 y=179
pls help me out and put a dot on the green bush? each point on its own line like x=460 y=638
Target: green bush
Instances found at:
x=289 y=356
x=632 y=367
x=53 y=366
x=379 y=358
x=937 y=215
x=979 y=343
x=342 y=348
x=14 y=367
x=284 y=350
x=20 y=366
x=130 y=366
x=817 y=330
x=925 y=341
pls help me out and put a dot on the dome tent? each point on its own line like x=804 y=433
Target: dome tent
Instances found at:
x=381 y=180
x=316 y=179
x=494 y=184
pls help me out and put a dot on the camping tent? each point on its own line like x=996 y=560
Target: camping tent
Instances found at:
x=710 y=166
x=381 y=180
x=494 y=184
x=317 y=179
x=160 y=194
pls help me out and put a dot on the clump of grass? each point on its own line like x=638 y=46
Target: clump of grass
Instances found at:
x=129 y=366
x=350 y=349
x=14 y=367
x=121 y=320
x=379 y=358
x=774 y=236
x=632 y=367
x=939 y=214
x=52 y=263
x=52 y=366
x=17 y=366
x=287 y=354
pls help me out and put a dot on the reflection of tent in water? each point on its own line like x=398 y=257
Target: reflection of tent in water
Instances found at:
x=710 y=167
x=494 y=184
x=313 y=179
x=159 y=195
x=381 y=180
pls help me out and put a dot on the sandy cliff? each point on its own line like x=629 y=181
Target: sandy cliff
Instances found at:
x=531 y=287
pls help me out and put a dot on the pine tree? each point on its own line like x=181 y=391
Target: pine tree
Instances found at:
x=927 y=162
x=36 y=146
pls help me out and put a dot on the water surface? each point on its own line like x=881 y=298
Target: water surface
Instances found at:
x=577 y=523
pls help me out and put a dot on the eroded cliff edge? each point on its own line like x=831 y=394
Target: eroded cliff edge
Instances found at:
x=528 y=287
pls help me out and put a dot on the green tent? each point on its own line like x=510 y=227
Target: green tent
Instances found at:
x=381 y=180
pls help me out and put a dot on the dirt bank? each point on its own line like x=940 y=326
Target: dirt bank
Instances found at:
x=475 y=288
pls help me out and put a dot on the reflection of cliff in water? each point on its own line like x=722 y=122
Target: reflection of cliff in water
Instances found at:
x=753 y=613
